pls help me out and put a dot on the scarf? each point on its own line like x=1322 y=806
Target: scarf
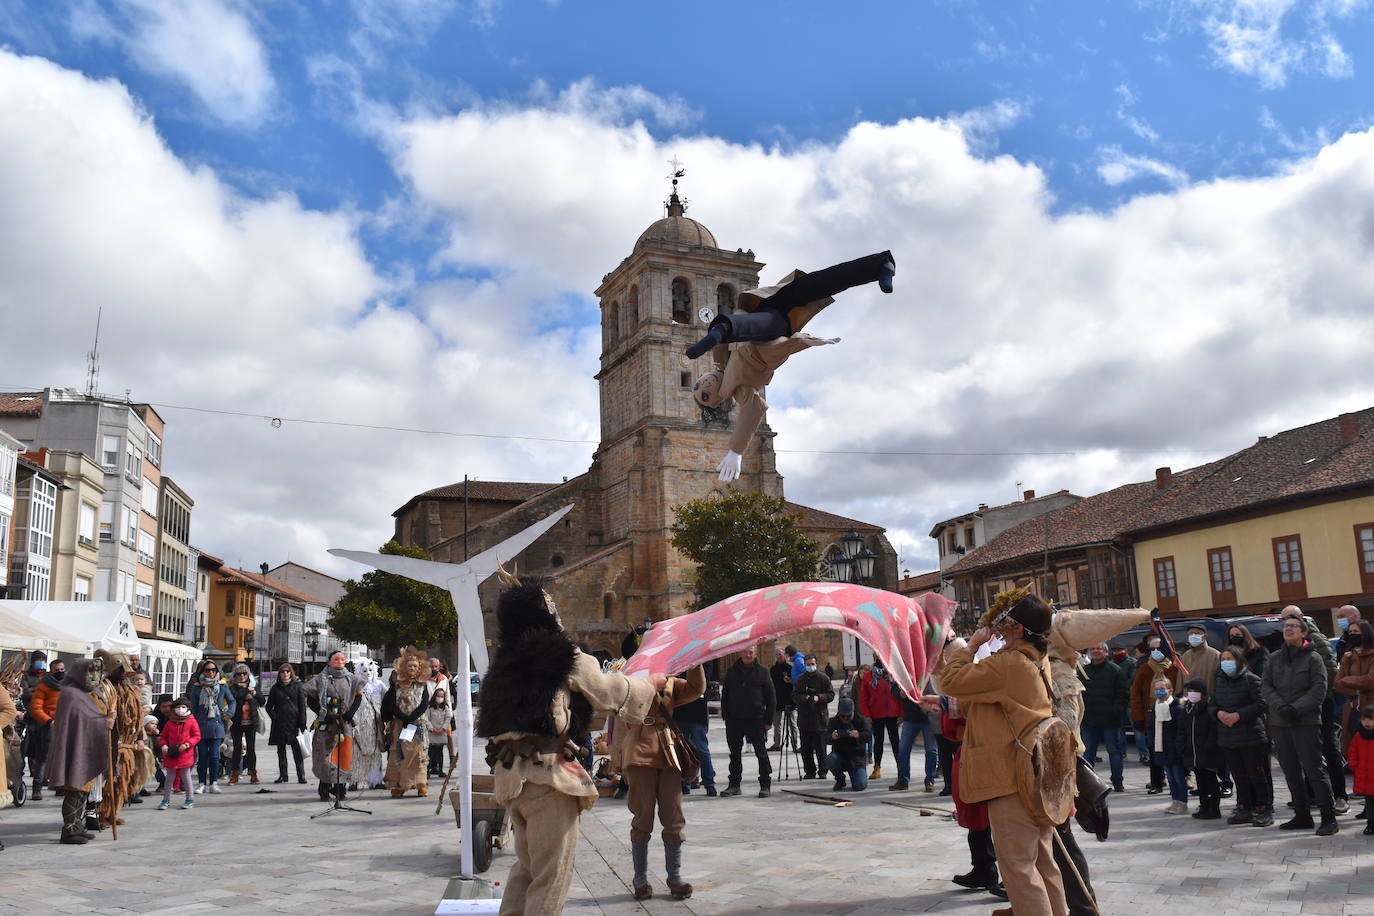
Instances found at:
x=207 y=697
x=1162 y=715
x=341 y=672
x=873 y=678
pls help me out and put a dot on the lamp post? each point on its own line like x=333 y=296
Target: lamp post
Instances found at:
x=853 y=563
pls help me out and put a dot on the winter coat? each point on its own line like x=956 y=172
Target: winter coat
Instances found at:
x=1296 y=677
x=1168 y=752
x=781 y=673
x=1355 y=679
x=245 y=696
x=853 y=751
x=1256 y=659
x=175 y=733
x=1361 y=759
x=286 y=707
x=203 y=698
x=440 y=719
x=80 y=749
x=911 y=712
x=1002 y=698
x=747 y=693
x=1240 y=693
x=693 y=713
x=1197 y=738
x=1201 y=662
x=8 y=713
x=43 y=705
x=876 y=700
x=1142 y=688
x=1106 y=694
x=812 y=716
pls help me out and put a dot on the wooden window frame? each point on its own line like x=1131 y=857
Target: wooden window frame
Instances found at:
x=1289 y=591
x=1366 y=576
x=1225 y=597
x=1166 y=602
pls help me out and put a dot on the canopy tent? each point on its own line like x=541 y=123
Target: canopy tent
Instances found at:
x=21 y=633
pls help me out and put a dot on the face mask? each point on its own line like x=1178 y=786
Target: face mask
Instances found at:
x=1161 y=693
x=181 y=712
x=811 y=669
x=1228 y=666
x=1157 y=655
x=59 y=675
x=1194 y=639
x=1237 y=641
x=1194 y=696
x=1354 y=638
x=1343 y=623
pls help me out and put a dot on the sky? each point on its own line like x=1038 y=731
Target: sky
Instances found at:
x=1128 y=235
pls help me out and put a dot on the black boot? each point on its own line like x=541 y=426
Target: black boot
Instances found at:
x=1328 y=826
x=300 y=772
x=985 y=877
x=1301 y=820
x=324 y=791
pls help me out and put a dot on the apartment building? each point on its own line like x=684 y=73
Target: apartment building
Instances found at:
x=176 y=575
x=76 y=551
x=35 y=523
x=10 y=448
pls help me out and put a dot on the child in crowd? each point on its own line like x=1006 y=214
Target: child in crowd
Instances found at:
x=1361 y=756
x=1162 y=728
x=1198 y=750
x=150 y=733
x=179 y=738
x=439 y=721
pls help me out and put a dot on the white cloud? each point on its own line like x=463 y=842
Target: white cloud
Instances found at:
x=1117 y=167
x=1138 y=126
x=209 y=46
x=1271 y=39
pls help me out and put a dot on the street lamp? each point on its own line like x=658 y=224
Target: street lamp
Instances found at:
x=863 y=566
x=851 y=544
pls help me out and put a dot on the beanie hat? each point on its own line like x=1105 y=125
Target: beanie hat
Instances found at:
x=846 y=707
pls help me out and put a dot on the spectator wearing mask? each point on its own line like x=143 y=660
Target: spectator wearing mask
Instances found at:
x=1199 y=660
x=1355 y=677
x=178 y=739
x=812 y=692
x=1166 y=712
x=879 y=706
x=1198 y=750
x=41 y=707
x=1239 y=637
x=1347 y=617
x=1294 y=685
x=784 y=712
x=1238 y=706
x=848 y=734
x=1106 y=696
x=1331 y=751
x=1155 y=663
x=1362 y=765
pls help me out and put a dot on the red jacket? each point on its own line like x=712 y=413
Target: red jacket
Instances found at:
x=175 y=733
x=878 y=702
x=1361 y=757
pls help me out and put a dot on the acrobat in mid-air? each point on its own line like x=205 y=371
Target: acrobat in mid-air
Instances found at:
x=758 y=338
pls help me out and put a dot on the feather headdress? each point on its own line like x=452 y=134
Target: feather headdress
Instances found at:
x=1002 y=603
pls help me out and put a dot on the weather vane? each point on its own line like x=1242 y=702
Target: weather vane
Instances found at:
x=676 y=171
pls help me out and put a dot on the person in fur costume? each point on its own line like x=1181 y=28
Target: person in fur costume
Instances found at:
x=369 y=762
x=334 y=695
x=538 y=698
x=403 y=720
x=134 y=761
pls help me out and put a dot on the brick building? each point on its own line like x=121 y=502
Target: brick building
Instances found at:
x=609 y=559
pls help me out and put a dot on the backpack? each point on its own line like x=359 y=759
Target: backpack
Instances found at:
x=1045 y=766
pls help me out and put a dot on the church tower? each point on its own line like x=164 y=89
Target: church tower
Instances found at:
x=658 y=447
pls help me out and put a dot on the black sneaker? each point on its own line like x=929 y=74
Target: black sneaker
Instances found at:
x=711 y=792
x=1299 y=822
x=839 y=784
x=764 y=792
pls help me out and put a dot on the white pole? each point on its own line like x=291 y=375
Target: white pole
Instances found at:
x=464 y=747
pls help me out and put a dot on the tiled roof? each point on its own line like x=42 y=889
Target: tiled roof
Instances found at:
x=817 y=518
x=492 y=490
x=916 y=583
x=257 y=580
x=983 y=509
x=21 y=403
x=1293 y=464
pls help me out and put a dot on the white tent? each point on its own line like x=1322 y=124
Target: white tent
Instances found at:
x=21 y=633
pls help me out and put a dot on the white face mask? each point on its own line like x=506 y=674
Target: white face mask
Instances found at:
x=180 y=712
x=811 y=668
x=1194 y=639
x=1194 y=696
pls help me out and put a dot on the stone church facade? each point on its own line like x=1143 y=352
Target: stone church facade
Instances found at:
x=609 y=561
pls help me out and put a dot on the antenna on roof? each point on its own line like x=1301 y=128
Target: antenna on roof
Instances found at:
x=93 y=358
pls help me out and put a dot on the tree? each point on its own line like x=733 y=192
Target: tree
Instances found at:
x=742 y=541
x=384 y=609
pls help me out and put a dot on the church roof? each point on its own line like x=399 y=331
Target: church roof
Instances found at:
x=501 y=491
x=682 y=230
x=818 y=518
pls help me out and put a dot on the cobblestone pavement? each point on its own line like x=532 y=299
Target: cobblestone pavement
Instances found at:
x=247 y=851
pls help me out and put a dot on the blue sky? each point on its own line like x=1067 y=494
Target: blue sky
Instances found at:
x=1151 y=199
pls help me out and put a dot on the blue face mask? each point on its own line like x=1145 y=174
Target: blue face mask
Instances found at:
x=1343 y=623
x=1157 y=655
x=1161 y=693
x=1195 y=639
x=1228 y=666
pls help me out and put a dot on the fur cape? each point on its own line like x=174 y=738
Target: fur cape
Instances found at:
x=518 y=692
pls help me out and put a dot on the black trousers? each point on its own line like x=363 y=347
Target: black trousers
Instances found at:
x=244 y=734
x=770 y=319
x=436 y=759
x=813 y=752
x=948 y=749
x=1250 y=769
x=981 y=852
x=1079 y=896
x=1331 y=750
x=890 y=726
x=295 y=752
x=1208 y=787
x=1299 y=750
x=737 y=731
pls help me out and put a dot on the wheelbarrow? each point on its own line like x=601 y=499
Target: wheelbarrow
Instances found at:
x=14 y=769
x=490 y=829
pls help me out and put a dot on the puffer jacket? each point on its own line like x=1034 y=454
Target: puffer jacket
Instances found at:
x=1106 y=694
x=1239 y=693
x=1296 y=677
x=1197 y=738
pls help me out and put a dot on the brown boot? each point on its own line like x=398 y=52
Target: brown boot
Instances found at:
x=233 y=777
x=397 y=793
x=423 y=790
x=253 y=777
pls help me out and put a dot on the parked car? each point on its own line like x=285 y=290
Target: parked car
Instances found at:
x=1178 y=632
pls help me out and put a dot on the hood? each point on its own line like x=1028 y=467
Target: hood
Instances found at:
x=76 y=674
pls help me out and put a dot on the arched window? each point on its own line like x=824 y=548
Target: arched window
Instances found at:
x=158 y=677
x=613 y=324
x=682 y=301
x=725 y=299
x=633 y=305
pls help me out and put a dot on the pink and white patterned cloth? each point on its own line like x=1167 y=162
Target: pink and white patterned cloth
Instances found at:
x=908 y=634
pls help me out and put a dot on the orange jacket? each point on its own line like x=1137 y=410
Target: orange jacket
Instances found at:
x=44 y=704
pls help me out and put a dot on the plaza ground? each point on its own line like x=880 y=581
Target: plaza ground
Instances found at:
x=250 y=851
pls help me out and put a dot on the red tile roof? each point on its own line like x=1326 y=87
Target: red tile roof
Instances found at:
x=21 y=403
x=818 y=518
x=917 y=583
x=233 y=576
x=982 y=509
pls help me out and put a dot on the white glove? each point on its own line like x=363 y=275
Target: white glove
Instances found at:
x=729 y=466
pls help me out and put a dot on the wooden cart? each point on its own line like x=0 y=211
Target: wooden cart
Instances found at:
x=490 y=829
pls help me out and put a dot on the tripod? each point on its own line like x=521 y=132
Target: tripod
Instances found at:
x=338 y=803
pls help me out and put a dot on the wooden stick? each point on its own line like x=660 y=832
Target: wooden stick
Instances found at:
x=1083 y=885
x=822 y=801
x=924 y=809
x=109 y=782
x=829 y=798
x=452 y=762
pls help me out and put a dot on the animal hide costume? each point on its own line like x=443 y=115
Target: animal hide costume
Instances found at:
x=80 y=749
x=369 y=757
x=134 y=760
x=404 y=705
x=335 y=696
x=538 y=696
